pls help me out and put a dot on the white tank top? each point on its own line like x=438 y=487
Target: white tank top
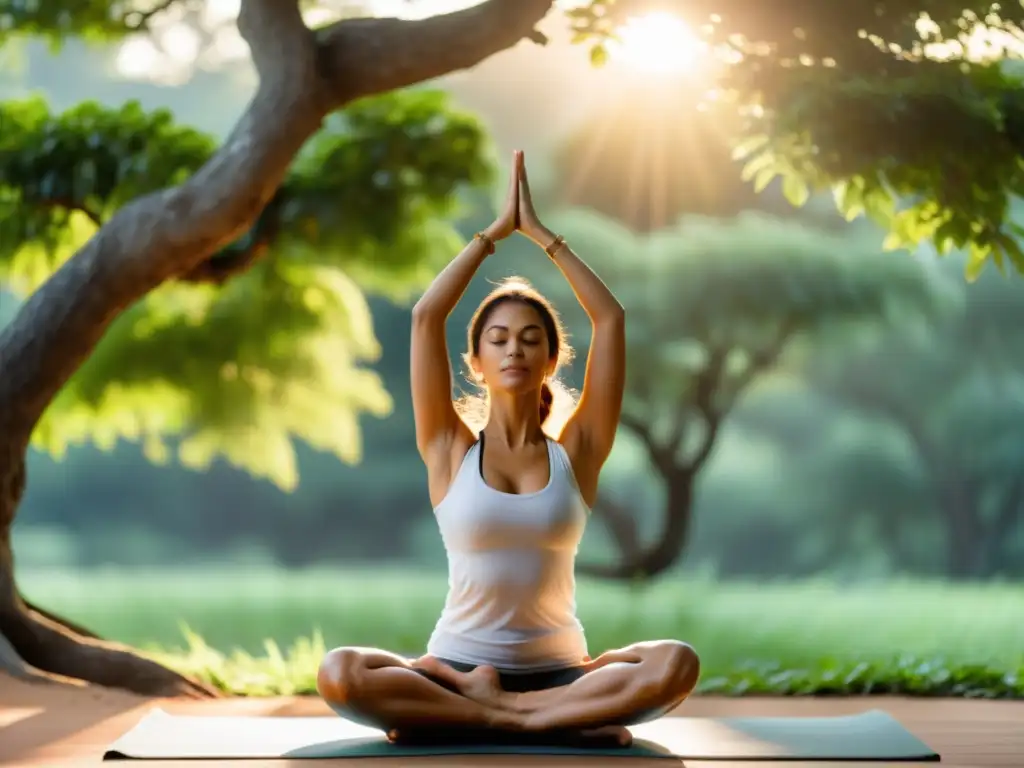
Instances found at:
x=511 y=557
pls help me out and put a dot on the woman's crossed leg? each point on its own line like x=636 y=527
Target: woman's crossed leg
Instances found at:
x=635 y=684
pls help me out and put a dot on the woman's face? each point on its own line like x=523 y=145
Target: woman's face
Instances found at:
x=514 y=352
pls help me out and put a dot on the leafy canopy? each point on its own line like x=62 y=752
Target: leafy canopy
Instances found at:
x=273 y=355
x=909 y=111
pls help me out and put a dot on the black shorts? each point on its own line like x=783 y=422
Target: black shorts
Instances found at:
x=518 y=682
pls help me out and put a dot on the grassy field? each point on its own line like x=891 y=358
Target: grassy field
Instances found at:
x=263 y=631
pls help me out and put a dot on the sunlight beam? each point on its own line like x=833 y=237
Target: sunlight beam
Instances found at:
x=657 y=43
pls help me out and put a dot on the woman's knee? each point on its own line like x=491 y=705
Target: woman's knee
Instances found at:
x=340 y=676
x=682 y=667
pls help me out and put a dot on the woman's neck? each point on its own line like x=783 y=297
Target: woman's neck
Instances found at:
x=515 y=421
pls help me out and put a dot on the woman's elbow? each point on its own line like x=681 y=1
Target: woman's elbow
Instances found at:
x=425 y=312
x=613 y=314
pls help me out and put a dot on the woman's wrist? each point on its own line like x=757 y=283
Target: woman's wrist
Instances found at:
x=542 y=236
x=494 y=232
x=486 y=239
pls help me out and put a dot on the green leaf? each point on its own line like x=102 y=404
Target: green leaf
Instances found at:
x=893 y=242
x=1010 y=247
x=764 y=178
x=976 y=260
x=756 y=164
x=599 y=55
x=849 y=198
x=749 y=146
x=795 y=190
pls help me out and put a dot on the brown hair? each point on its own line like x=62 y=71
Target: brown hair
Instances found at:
x=474 y=409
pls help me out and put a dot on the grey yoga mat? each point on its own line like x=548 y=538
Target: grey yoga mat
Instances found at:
x=873 y=735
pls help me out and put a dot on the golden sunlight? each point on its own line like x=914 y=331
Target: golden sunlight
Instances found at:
x=657 y=43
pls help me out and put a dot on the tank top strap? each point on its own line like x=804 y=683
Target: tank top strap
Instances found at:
x=468 y=469
x=560 y=463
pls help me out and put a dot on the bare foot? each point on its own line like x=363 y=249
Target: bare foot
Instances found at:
x=482 y=685
x=619 y=735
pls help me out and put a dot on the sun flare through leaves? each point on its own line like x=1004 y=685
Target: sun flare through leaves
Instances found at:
x=657 y=43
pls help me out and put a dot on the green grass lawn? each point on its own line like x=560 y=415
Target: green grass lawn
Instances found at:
x=263 y=631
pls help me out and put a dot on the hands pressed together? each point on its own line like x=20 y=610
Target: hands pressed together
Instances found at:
x=518 y=213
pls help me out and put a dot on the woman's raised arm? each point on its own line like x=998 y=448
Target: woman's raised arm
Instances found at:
x=437 y=423
x=596 y=419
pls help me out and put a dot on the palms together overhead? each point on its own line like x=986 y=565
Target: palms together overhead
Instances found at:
x=518 y=212
x=529 y=222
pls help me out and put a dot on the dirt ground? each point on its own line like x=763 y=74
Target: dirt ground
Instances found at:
x=60 y=727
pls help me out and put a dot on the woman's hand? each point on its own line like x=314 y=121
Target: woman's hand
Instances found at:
x=508 y=219
x=529 y=222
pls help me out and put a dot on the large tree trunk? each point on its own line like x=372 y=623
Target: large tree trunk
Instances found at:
x=999 y=533
x=963 y=529
x=304 y=76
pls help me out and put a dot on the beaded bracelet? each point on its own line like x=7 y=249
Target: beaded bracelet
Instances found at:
x=486 y=240
x=552 y=249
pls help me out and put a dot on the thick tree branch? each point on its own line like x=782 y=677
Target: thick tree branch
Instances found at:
x=660 y=457
x=166 y=233
x=369 y=55
x=217 y=270
x=715 y=409
x=239 y=257
x=707 y=377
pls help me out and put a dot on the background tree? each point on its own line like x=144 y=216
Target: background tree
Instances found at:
x=958 y=407
x=713 y=306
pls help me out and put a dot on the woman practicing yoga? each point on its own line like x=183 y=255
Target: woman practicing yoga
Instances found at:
x=508 y=652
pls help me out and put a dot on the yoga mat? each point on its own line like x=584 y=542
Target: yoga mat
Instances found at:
x=873 y=735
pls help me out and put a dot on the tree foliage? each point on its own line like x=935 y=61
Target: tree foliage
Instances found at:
x=239 y=369
x=712 y=307
x=953 y=398
x=908 y=111
x=874 y=103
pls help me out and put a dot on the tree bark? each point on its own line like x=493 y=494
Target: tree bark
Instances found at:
x=303 y=76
